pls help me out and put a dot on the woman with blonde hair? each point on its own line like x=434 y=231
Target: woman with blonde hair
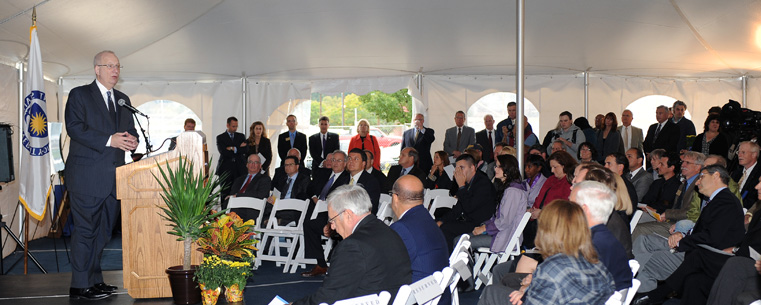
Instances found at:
x=571 y=272
x=365 y=141
x=258 y=143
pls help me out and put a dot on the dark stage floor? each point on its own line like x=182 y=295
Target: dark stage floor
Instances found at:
x=53 y=288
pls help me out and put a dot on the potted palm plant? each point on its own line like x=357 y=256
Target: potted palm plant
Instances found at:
x=189 y=200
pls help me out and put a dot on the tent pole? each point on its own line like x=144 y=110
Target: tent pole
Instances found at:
x=586 y=93
x=58 y=99
x=343 y=110
x=519 y=72
x=745 y=90
x=245 y=102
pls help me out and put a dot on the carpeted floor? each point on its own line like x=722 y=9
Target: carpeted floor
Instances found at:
x=52 y=288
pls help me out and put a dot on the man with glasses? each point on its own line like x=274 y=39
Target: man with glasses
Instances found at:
x=355 y=164
x=322 y=185
x=254 y=183
x=371 y=258
x=420 y=138
x=292 y=185
x=100 y=134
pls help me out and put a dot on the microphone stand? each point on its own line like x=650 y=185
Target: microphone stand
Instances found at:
x=148 y=147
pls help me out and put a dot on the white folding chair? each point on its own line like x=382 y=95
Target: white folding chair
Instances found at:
x=442 y=202
x=458 y=247
x=403 y=296
x=385 y=213
x=253 y=204
x=756 y=302
x=384 y=198
x=462 y=260
x=293 y=236
x=634 y=265
x=430 y=194
x=380 y=299
x=485 y=259
x=632 y=291
x=635 y=219
x=320 y=207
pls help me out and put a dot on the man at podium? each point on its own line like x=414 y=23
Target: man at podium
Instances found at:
x=100 y=134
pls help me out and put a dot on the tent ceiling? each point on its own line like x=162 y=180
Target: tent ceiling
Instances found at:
x=302 y=40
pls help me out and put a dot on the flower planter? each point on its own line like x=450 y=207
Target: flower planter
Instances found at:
x=184 y=288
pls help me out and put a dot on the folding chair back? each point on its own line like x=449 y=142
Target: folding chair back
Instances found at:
x=380 y=299
x=385 y=213
x=635 y=219
x=634 y=265
x=485 y=259
x=320 y=207
x=442 y=202
x=249 y=203
x=430 y=194
x=403 y=296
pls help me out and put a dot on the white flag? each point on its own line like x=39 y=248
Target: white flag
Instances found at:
x=34 y=166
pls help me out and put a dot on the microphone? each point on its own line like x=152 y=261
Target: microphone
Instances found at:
x=129 y=107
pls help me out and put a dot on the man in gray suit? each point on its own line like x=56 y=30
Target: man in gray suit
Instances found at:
x=457 y=138
x=631 y=136
x=638 y=176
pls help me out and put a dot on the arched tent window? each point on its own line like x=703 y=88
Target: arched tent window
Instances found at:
x=643 y=110
x=167 y=121
x=496 y=105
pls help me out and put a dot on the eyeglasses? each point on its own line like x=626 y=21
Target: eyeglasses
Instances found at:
x=333 y=220
x=290 y=164
x=111 y=66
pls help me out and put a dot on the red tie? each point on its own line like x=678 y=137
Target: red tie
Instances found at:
x=245 y=186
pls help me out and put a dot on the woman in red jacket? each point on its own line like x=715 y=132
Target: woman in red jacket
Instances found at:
x=365 y=141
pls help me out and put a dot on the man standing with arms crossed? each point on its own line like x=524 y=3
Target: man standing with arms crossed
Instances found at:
x=100 y=134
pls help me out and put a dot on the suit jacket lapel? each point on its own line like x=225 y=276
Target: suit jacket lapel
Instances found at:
x=98 y=98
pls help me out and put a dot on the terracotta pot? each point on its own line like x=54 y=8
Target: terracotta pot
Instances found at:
x=233 y=294
x=184 y=288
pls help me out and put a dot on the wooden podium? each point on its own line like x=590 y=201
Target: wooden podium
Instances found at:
x=147 y=249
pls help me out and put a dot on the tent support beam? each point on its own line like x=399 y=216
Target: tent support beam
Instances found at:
x=245 y=102
x=586 y=93
x=745 y=90
x=518 y=132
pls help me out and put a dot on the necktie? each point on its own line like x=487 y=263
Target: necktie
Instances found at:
x=111 y=108
x=245 y=185
x=417 y=134
x=491 y=143
x=326 y=188
x=626 y=137
x=287 y=193
x=404 y=172
x=657 y=131
x=352 y=181
x=742 y=179
x=680 y=195
x=293 y=138
x=323 y=146
x=231 y=136
x=488 y=133
x=459 y=133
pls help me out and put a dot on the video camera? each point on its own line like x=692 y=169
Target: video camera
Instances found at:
x=741 y=124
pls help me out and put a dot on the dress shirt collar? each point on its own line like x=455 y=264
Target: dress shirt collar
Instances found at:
x=103 y=91
x=356 y=177
x=715 y=192
x=636 y=171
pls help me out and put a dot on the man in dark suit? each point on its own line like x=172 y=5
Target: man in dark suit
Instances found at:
x=664 y=134
x=457 y=138
x=280 y=172
x=322 y=143
x=476 y=201
x=370 y=259
x=425 y=243
x=617 y=163
x=100 y=134
x=747 y=172
x=291 y=139
x=232 y=153
x=254 y=184
x=356 y=162
x=420 y=138
x=322 y=185
x=720 y=226
x=292 y=185
x=686 y=127
x=407 y=160
x=384 y=189
x=487 y=138
x=637 y=174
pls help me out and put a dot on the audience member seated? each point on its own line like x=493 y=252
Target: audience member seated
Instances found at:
x=539 y=150
x=692 y=162
x=292 y=185
x=280 y=171
x=535 y=178
x=496 y=232
x=617 y=163
x=376 y=173
x=568 y=134
x=355 y=165
x=321 y=187
x=662 y=192
x=711 y=141
x=408 y=159
x=572 y=272
x=587 y=152
x=425 y=243
x=370 y=259
x=254 y=184
x=557 y=186
x=747 y=171
x=637 y=175
x=438 y=178
x=609 y=139
x=476 y=201
x=719 y=226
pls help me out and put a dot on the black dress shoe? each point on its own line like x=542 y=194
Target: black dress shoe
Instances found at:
x=91 y=293
x=645 y=300
x=106 y=287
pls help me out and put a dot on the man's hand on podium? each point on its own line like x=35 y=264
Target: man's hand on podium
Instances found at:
x=124 y=141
